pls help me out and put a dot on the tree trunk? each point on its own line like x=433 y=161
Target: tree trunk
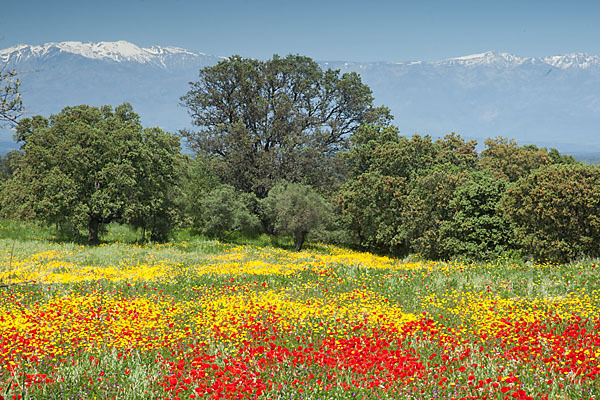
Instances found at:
x=299 y=240
x=267 y=225
x=93 y=227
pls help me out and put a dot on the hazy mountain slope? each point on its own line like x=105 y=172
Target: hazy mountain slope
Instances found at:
x=530 y=100
x=551 y=101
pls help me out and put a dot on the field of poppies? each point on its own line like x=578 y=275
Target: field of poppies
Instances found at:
x=204 y=320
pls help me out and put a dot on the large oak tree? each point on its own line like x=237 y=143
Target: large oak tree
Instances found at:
x=87 y=166
x=260 y=122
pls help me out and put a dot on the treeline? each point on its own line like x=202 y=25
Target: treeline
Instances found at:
x=442 y=200
x=283 y=147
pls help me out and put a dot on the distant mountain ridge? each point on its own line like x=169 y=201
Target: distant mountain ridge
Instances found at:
x=125 y=51
x=572 y=60
x=551 y=101
x=120 y=51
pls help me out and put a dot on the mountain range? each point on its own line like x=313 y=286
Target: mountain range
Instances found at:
x=549 y=101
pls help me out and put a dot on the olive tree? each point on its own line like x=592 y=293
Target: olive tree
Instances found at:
x=297 y=209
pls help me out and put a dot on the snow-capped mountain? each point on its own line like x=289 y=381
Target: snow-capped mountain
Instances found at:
x=504 y=60
x=120 y=51
x=550 y=101
x=573 y=60
x=490 y=58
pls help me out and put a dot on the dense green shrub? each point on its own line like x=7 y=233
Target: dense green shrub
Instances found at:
x=225 y=210
x=505 y=159
x=9 y=164
x=370 y=205
x=156 y=206
x=555 y=211
x=399 y=198
x=477 y=229
x=197 y=181
x=426 y=209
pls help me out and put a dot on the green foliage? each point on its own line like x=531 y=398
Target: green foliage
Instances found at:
x=225 y=211
x=558 y=158
x=398 y=196
x=11 y=104
x=555 y=211
x=369 y=204
x=405 y=158
x=159 y=171
x=418 y=195
x=509 y=161
x=453 y=151
x=477 y=229
x=364 y=142
x=197 y=181
x=297 y=209
x=426 y=208
x=261 y=122
x=9 y=164
x=88 y=166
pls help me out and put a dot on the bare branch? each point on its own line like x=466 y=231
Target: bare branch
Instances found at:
x=11 y=105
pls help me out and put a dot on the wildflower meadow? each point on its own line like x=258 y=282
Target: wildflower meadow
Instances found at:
x=204 y=320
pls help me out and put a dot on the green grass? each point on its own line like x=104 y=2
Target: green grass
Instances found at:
x=25 y=231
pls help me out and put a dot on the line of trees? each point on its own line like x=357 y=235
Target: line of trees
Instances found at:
x=443 y=200
x=283 y=147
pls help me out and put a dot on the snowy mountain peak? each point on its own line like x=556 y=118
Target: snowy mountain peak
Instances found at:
x=158 y=50
x=123 y=51
x=487 y=58
x=577 y=60
x=117 y=51
x=494 y=58
x=110 y=51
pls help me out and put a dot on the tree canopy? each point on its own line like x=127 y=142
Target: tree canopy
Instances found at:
x=155 y=205
x=281 y=119
x=398 y=194
x=555 y=211
x=477 y=228
x=509 y=161
x=88 y=166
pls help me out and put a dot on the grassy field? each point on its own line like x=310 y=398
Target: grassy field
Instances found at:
x=201 y=319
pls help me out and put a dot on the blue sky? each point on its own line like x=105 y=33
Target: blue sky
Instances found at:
x=324 y=30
